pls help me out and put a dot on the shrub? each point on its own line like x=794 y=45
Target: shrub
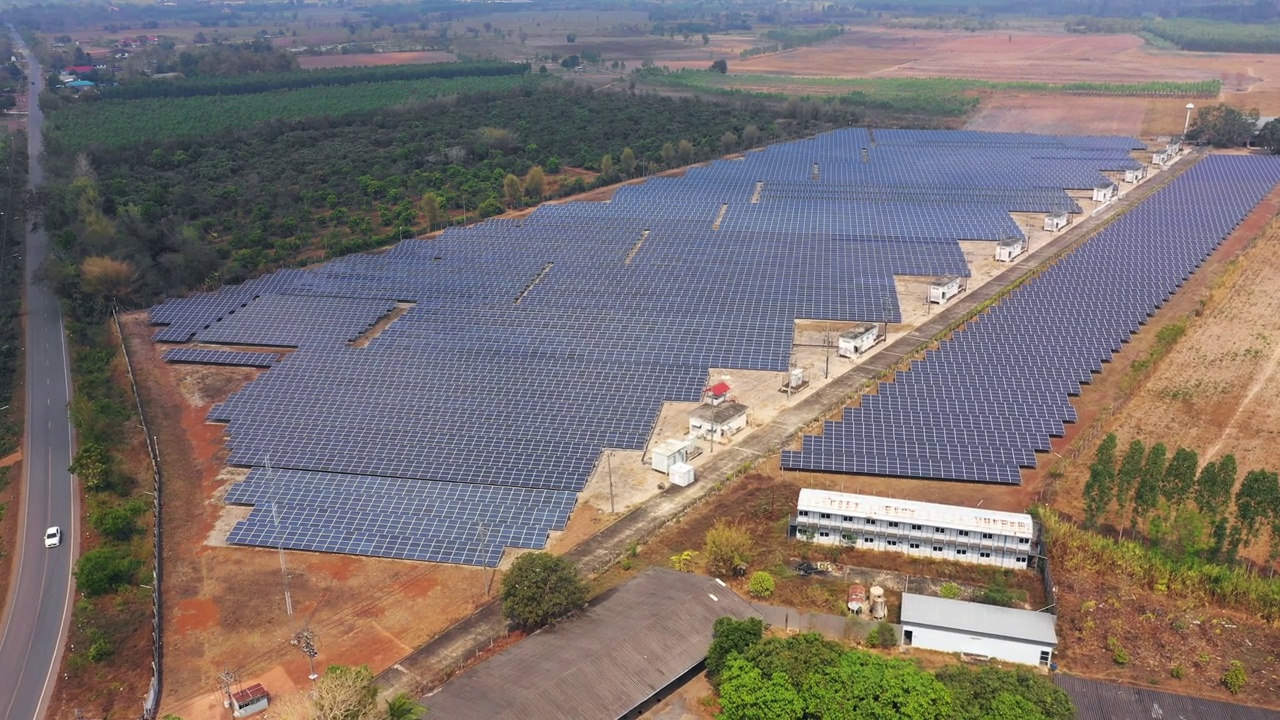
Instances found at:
x=115 y=521
x=541 y=588
x=883 y=636
x=761 y=585
x=949 y=590
x=1235 y=678
x=727 y=548
x=1118 y=654
x=1177 y=672
x=729 y=636
x=105 y=570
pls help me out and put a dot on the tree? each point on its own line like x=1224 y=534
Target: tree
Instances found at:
x=1206 y=490
x=628 y=162
x=1100 y=488
x=92 y=466
x=115 y=521
x=1223 y=126
x=1213 y=494
x=1269 y=137
x=1127 y=479
x=106 y=278
x=746 y=694
x=344 y=693
x=571 y=38
x=402 y=707
x=729 y=637
x=1180 y=477
x=668 y=155
x=706 y=39
x=606 y=167
x=883 y=636
x=866 y=685
x=727 y=549
x=750 y=135
x=720 y=66
x=795 y=657
x=728 y=142
x=432 y=210
x=541 y=588
x=1254 y=501
x=984 y=693
x=512 y=190
x=105 y=569
x=684 y=150
x=761 y=585
x=1148 y=492
x=535 y=182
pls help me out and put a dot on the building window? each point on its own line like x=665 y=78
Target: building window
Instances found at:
x=824 y=533
x=892 y=543
x=961 y=551
x=846 y=518
x=871 y=521
x=917 y=527
x=1044 y=657
x=937 y=548
x=987 y=536
x=964 y=533
x=824 y=516
x=1024 y=541
x=1020 y=559
x=804 y=513
x=868 y=539
x=984 y=554
x=893 y=524
x=914 y=546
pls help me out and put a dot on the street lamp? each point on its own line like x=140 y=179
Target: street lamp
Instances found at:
x=1187 y=124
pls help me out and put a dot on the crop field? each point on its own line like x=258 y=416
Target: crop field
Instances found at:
x=121 y=123
x=313 y=62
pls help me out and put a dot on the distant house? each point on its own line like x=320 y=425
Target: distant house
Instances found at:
x=80 y=84
x=77 y=69
x=602 y=664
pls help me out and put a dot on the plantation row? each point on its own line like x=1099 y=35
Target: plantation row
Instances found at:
x=1210 y=36
x=787 y=39
x=332 y=77
x=123 y=123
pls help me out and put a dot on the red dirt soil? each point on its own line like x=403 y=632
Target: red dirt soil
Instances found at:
x=312 y=62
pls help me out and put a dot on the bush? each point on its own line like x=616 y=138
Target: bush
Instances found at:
x=727 y=549
x=1177 y=672
x=761 y=585
x=949 y=590
x=100 y=648
x=1235 y=678
x=992 y=692
x=541 y=588
x=730 y=637
x=1118 y=654
x=883 y=636
x=105 y=570
x=117 y=522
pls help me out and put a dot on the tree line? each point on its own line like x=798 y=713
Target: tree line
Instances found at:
x=1187 y=510
x=806 y=677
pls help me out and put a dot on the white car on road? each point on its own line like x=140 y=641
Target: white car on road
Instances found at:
x=53 y=537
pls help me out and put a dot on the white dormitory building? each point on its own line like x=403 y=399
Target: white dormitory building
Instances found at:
x=943 y=532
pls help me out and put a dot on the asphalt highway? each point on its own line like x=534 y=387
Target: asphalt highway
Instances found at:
x=38 y=606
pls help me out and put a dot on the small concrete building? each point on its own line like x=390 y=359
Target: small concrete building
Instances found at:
x=1010 y=248
x=1053 y=222
x=717 y=393
x=1104 y=192
x=718 y=422
x=671 y=452
x=1133 y=175
x=249 y=701
x=859 y=339
x=944 y=288
x=922 y=529
x=1160 y=158
x=985 y=631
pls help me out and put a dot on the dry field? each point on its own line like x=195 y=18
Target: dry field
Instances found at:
x=312 y=62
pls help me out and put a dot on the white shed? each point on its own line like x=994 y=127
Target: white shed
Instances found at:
x=1133 y=175
x=1054 y=222
x=670 y=452
x=1160 y=158
x=944 y=288
x=717 y=422
x=1104 y=192
x=249 y=701
x=956 y=626
x=859 y=339
x=1010 y=248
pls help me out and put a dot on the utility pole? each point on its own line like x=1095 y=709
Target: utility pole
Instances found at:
x=226 y=681
x=305 y=640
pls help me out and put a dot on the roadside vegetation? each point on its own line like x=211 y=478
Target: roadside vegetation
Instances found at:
x=806 y=677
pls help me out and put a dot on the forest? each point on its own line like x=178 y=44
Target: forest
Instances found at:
x=184 y=212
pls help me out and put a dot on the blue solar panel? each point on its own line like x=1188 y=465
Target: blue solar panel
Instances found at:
x=981 y=405
x=533 y=343
x=205 y=356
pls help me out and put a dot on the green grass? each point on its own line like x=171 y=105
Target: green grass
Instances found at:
x=123 y=123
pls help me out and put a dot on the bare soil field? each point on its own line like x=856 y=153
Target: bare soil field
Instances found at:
x=312 y=62
x=1055 y=114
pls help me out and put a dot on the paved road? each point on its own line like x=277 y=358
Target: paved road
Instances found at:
x=39 y=602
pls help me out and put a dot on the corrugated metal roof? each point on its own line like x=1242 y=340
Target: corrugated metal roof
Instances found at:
x=1097 y=700
x=978 y=618
x=602 y=663
x=914 y=511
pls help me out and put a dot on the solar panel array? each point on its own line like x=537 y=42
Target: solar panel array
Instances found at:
x=980 y=406
x=207 y=356
x=470 y=422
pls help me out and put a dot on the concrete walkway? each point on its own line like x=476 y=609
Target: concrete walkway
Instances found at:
x=434 y=662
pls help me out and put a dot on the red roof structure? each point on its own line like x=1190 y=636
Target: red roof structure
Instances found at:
x=719 y=389
x=249 y=694
x=77 y=69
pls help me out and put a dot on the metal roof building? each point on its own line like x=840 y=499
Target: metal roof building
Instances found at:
x=952 y=517
x=603 y=663
x=1097 y=700
x=1020 y=636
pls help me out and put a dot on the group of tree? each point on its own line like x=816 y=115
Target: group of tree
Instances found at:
x=13 y=146
x=345 y=693
x=805 y=677
x=179 y=212
x=1223 y=126
x=1185 y=509
x=541 y=588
